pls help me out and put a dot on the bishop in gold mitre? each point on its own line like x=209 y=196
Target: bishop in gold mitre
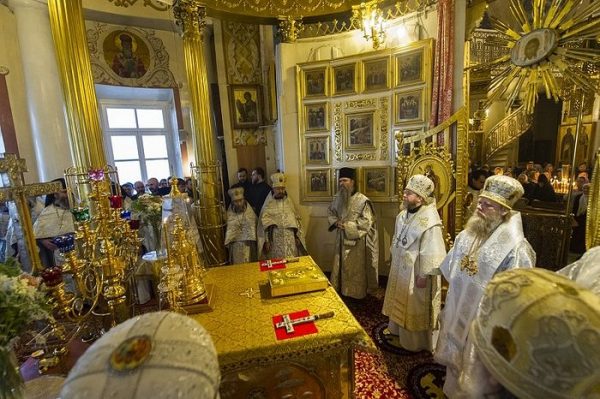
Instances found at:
x=492 y=242
x=412 y=296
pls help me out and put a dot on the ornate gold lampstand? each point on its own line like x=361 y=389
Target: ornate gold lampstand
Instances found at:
x=102 y=254
x=184 y=253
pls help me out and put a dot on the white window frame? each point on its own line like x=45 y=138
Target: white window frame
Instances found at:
x=172 y=136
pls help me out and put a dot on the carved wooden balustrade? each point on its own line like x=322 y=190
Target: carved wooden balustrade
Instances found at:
x=486 y=46
x=506 y=131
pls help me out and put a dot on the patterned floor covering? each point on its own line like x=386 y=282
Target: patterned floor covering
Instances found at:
x=385 y=374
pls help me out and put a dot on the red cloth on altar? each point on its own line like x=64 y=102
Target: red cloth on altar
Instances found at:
x=299 y=329
x=274 y=265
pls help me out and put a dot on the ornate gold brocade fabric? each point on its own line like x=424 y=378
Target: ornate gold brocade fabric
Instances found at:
x=241 y=327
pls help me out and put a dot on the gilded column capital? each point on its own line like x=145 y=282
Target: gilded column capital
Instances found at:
x=190 y=16
x=290 y=28
x=4 y=70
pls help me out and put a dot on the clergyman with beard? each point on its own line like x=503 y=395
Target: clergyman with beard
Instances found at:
x=412 y=297
x=491 y=243
x=240 y=238
x=54 y=220
x=279 y=230
x=351 y=216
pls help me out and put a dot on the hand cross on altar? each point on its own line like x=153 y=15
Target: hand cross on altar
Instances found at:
x=248 y=293
x=270 y=263
x=289 y=324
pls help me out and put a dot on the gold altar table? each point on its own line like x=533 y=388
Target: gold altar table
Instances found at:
x=254 y=364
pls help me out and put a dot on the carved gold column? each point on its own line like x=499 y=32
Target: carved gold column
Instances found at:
x=190 y=16
x=85 y=133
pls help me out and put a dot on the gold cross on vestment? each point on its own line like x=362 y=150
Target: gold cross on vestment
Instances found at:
x=18 y=191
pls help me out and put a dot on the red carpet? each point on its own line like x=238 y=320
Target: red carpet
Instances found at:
x=373 y=379
x=382 y=374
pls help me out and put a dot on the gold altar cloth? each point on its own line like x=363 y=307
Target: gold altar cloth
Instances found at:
x=241 y=324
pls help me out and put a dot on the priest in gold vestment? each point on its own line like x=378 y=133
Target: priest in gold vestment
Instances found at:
x=412 y=296
x=355 y=262
x=492 y=242
x=240 y=238
x=55 y=220
x=279 y=230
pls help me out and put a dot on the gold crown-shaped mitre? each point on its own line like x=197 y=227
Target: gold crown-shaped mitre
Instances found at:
x=533 y=325
x=236 y=193
x=420 y=185
x=277 y=180
x=502 y=189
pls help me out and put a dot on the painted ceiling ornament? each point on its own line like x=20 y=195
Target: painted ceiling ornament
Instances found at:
x=156 y=4
x=549 y=46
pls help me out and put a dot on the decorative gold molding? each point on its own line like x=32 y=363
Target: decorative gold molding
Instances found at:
x=338 y=125
x=459 y=166
x=379 y=106
x=335 y=26
x=360 y=157
x=384 y=131
x=592 y=228
x=190 y=17
x=462 y=165
x=290 y=28
x=275 y=8
x=425 y=151
x=156 y=4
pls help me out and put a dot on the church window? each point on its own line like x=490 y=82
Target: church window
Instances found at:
x=139 y=136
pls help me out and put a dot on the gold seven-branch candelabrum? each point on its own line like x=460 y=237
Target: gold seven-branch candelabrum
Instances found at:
x=102 y=253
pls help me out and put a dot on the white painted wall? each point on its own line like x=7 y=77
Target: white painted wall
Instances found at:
x=10 y=57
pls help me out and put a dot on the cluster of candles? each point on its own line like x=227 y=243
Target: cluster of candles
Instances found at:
x=561 y=186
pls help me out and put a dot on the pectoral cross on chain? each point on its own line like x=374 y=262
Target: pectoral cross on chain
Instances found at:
x=18 y=192
x=469 y=265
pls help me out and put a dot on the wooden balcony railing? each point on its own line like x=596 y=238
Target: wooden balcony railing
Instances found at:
x=506 y=131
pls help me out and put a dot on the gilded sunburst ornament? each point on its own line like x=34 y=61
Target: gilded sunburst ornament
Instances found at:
x=548 y=45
